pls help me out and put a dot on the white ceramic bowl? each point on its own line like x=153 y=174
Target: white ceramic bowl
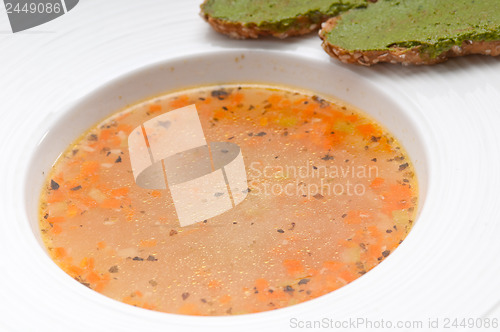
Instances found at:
x=392 y=110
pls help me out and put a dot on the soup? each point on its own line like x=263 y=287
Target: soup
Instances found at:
x=330 y=195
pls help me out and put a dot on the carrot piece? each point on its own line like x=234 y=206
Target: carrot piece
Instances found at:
x=74 y=270
x=101 y=245
x=87 y=263
x=156 y=193
x=56 y=229
x=237 y=98
x=89 y=168
x=127 y=129
x=261 y=284
x=225 y=299
x=59 y=252
x=53 y=220
x=119 y=192
x=397 y=198
x=274 y=99
x=357 y=217
x=293 y=266
x=111 y=203
x=148 y=243
x=214 y=284
x=368 y=130
x=332 y=265
x=181 y=101
x=154 y=108
x=377 y=183
x=93 y=277
x=138 y=293
x=106 y=134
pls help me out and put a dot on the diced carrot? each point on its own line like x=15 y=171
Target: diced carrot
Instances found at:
x=155 y=108
x=75 y=270
x=156 y=193
x=225 y=299
x=214 y=284
x=264 y=121
x=293 y=266
x=148 y=243
x=261 y=284
x=53 y=220
x=357 y=217
x=73 y=210
x=92 y=277
x=127 y=129
x=332 y=265
x=377 y=183
x=274 y=99
x=368 y=130
x=138 y=293
x=111 y=203
x=59 y=252
x=237 y=98
x=106 y=134
x=101 y=245
x=397 y=198
x=119 y=192
x=56 y=229
x=181 y=101
x=87 y=263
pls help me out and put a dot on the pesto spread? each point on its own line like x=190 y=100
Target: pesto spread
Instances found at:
x=434 y=25
x=276 y=15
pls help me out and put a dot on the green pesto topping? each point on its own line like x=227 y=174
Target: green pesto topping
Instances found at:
x=277 y=15
x=435 y=25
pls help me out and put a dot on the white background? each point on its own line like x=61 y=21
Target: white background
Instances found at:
x=454 y=273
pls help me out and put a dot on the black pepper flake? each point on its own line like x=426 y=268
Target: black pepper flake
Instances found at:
x=203 y=300
x=152 y=258
x=288 y=289
x=328 y=157
x=250 y=134
x=251 y=107
x=119 y=159
x=375 y=139
x=218 y=194
x=318 y=196
x=185 y=296
x=304 y=281
x=137 y=258
x=224 y=108
x=389 y=231
x=386 y=253
x=219 y=94
x=292 y=226
x=92 y=137
x=46 y=216
x=54 y=185
x=230 y=138
x=229 y=311
x=153 y=283
x=201 y=98
x=344 y=215
x=113 y=269
x=314 y=167
x=172 y=232
x=262 y=133
x=76 y=188
x=280 y=231
x=374 y=159
x=403 y=166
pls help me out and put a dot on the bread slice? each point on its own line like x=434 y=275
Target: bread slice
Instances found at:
x=242 y=19
x=417 y=32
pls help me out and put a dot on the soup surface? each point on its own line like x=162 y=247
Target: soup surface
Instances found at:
x=331 y=195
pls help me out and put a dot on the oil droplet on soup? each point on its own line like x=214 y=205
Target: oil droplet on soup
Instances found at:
x=331 y=195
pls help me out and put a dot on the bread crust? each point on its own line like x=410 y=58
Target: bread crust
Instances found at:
x=237 y=30
x=405 y=56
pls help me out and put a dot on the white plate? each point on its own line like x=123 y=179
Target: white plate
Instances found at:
x=446 y=268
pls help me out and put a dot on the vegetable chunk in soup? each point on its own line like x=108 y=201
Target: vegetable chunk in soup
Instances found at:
x=331 y=195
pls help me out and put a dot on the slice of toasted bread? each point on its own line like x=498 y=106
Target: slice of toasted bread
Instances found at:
x=243 y=19
x=449 y=28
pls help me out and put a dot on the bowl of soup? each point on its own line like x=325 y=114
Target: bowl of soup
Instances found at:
x=333 y=174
